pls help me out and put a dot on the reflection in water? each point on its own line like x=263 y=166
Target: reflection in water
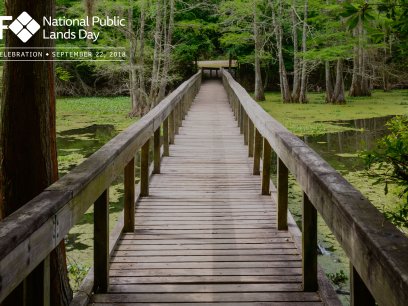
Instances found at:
x=341 y=149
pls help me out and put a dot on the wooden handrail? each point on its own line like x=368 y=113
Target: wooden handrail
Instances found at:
x=31 y=233
x=377 y=250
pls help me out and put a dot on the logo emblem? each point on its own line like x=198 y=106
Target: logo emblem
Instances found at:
x=24 y=27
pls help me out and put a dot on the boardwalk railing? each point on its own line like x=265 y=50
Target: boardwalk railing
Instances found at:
x=28 y=236
x=377 y=251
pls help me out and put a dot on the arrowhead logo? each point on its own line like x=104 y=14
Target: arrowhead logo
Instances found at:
x=24 y=27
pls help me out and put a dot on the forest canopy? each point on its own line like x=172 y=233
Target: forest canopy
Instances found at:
x=296 y=46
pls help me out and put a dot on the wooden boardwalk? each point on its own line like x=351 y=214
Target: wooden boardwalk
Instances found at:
x=205 y=235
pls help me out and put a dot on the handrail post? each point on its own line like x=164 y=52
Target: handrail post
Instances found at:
x=101 y=243
x=171 y=127
x=359 y=293
x=282 y=195
x=129 y=201
x=266 y=167
x=241 y=119
x=36 y=286
x=184 y=106
x=257 y=152
x=245 y=128
x=176 y=119
x=156 y=151
x=250 y=138
x=309 y=245
x=180 y=112
x=166 y=141
x=236 y=109
x=144 y=170
x=47 y=281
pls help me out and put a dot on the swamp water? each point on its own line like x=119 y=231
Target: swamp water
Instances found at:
x=342 y=151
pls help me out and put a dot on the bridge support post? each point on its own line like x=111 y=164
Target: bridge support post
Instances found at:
x=257 y=152
x=101 y=243
x=36 y=287
x=156 y=151
x=176 y=118
x=171 y=127
x=166 y=142
x=359 y=293
x=241 y=119
x=250 y=138
x=245 y=128
x=144 y=170
x=180 y=112
x=184 y=106
x=309 y=245
x=282 y=195
x=266 y=167
x=129 y=201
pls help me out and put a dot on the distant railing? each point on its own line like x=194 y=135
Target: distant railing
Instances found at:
x=377 y=250
x=29 y=235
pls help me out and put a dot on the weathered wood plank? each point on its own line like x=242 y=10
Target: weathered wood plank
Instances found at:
x=129 y=201
x=199 y=247
x=212 y=304
x=309 y=245
x=359 y=293
x=208 y=297
x=208 y=272
x=251 y=138
x=166 y=138
x=266 y=167
x=156 y=151
x=282 y=189
x=208 y=261
x=118 y=280
x=144 y=169
x=101 y=243
x=210 y=288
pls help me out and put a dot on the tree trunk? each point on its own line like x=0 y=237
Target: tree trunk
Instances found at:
x=303 y=80
x=141 y=61
x=157 y=53
x=259 y=91
x=296 y=66
x=28 y=145
x=89 y=10
x=338 y=94
x=359 y=83
x=385 y=73
x=133 y=79
x=167 y=53
x=329 y=85
x=284 y=84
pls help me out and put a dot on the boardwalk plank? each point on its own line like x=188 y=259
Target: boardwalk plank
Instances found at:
x=206 y=235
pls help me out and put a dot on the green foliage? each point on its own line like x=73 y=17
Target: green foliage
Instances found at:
x=355 y=14
x=339 y=278
x=76 y=273
x=389 y=162
x=63 y=74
